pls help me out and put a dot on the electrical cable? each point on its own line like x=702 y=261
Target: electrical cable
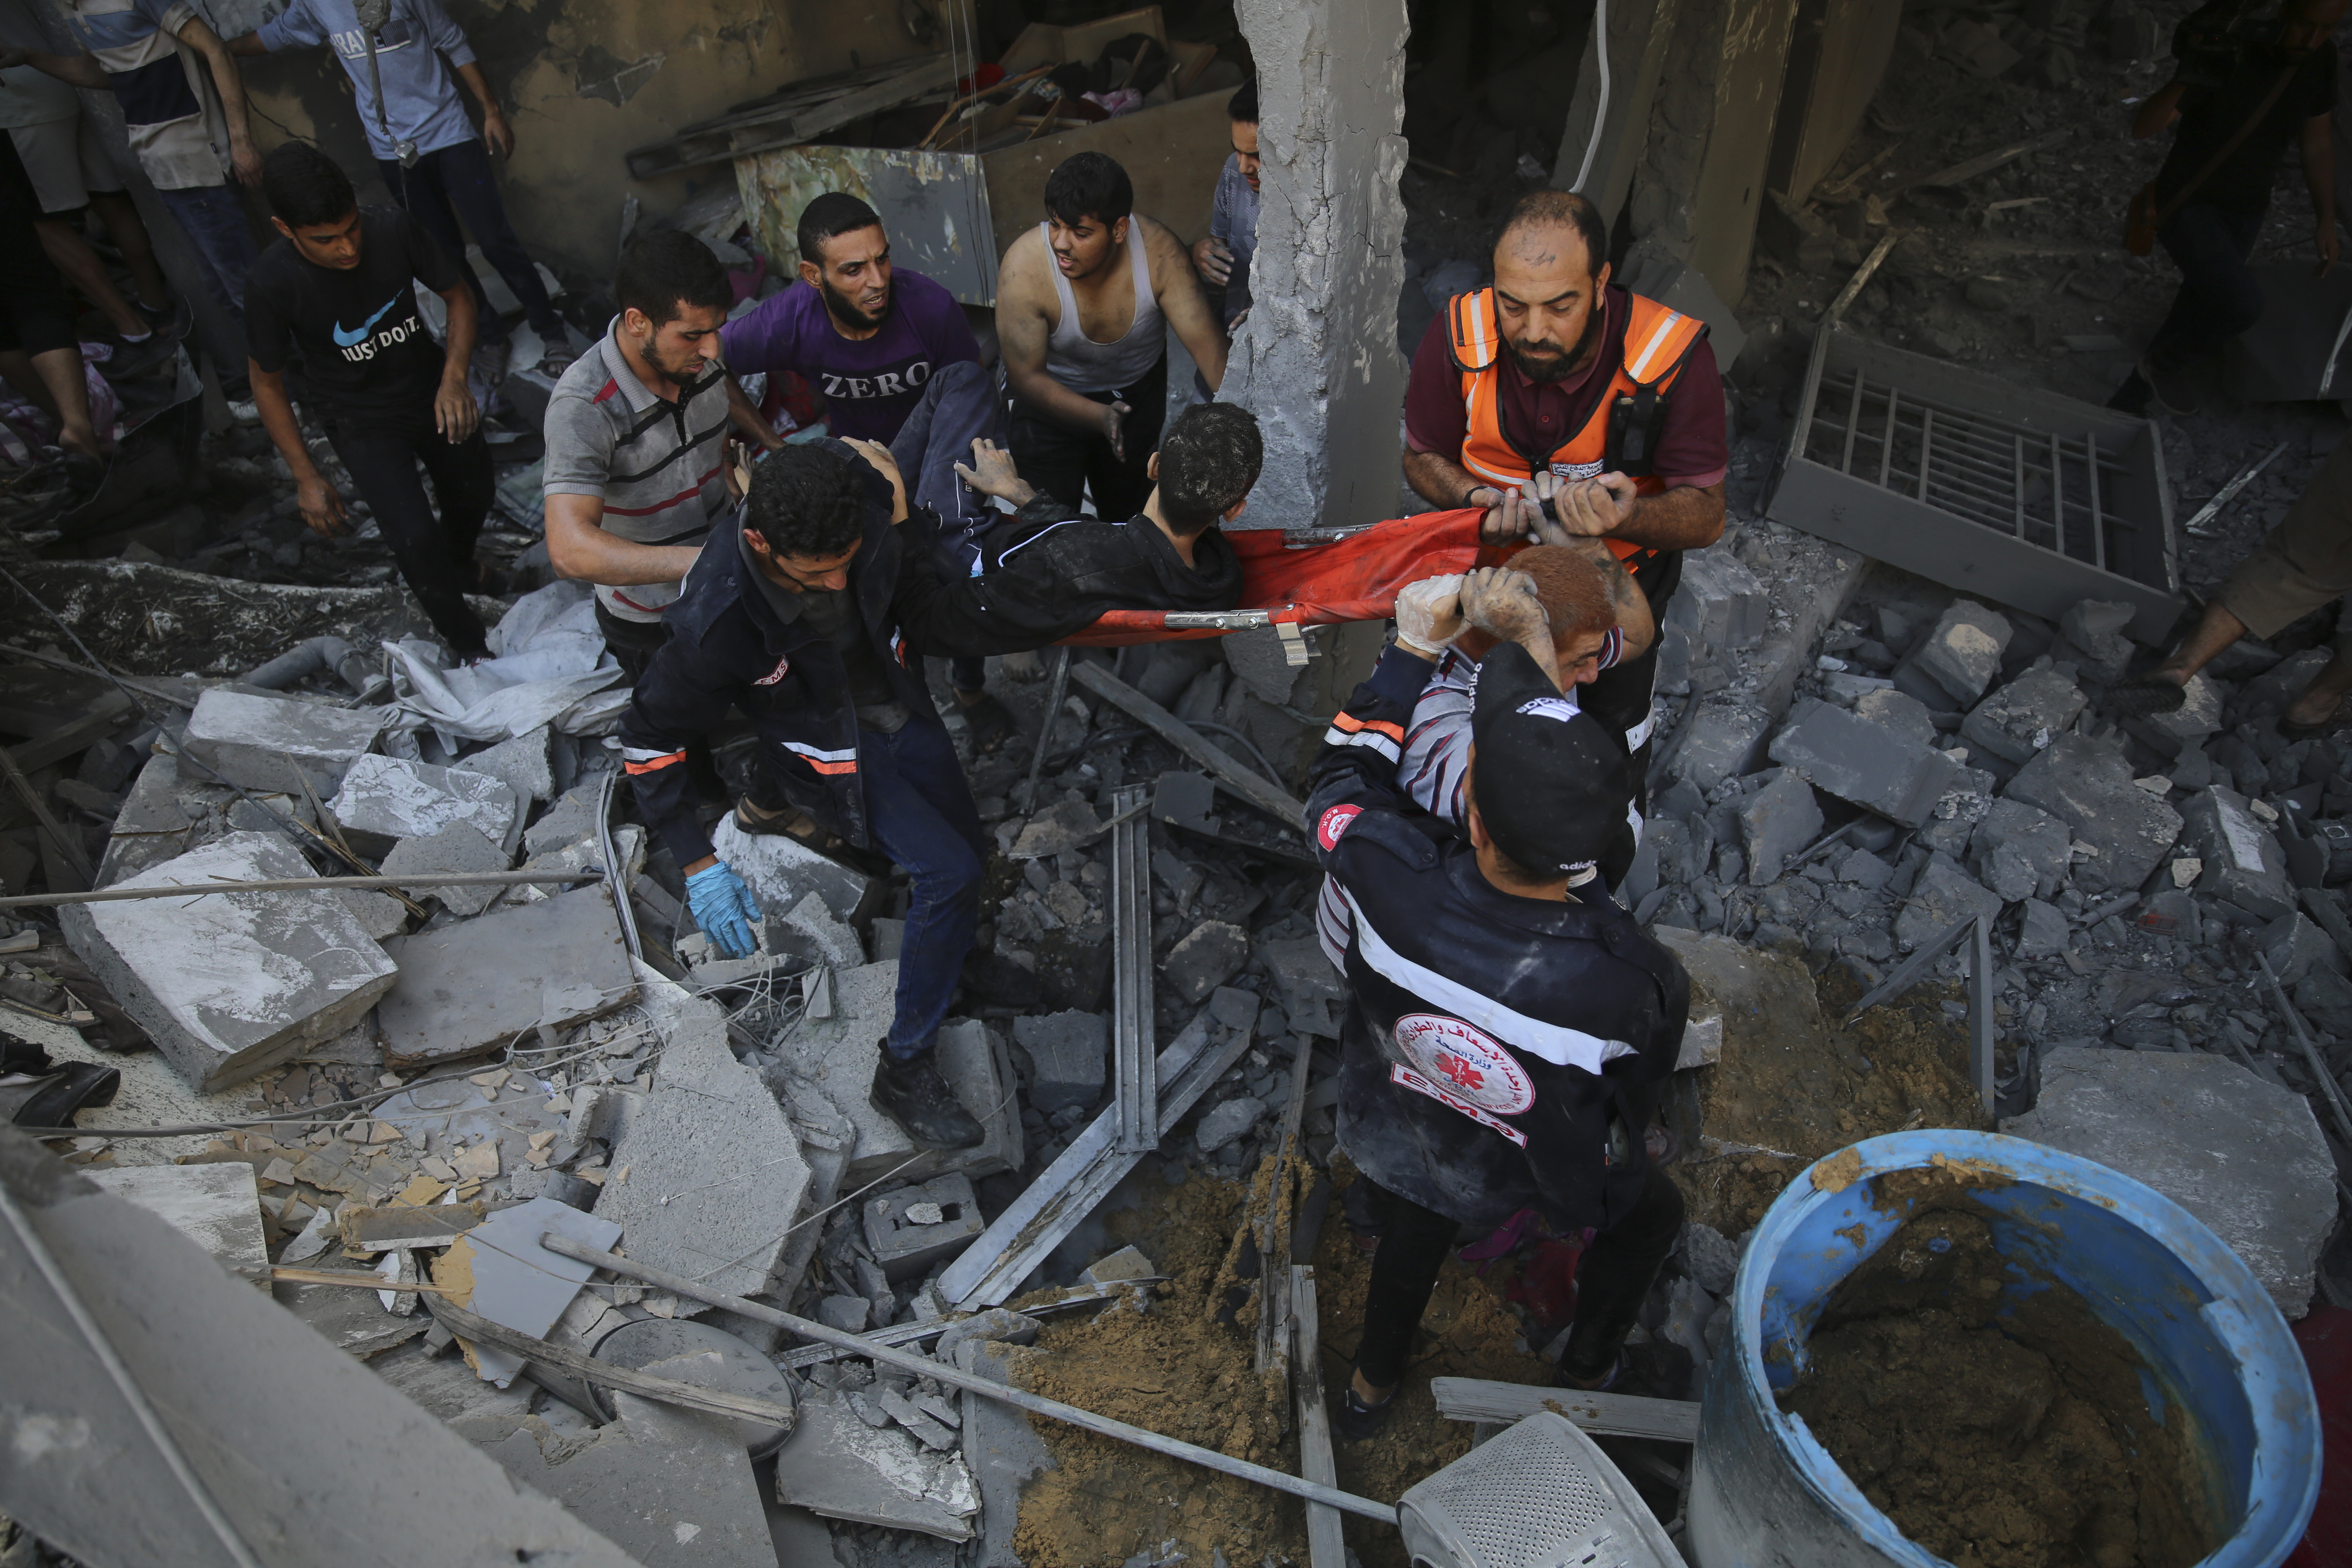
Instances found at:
x=1601 y=110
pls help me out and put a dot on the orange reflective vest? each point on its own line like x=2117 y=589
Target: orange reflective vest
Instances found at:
x=1657 y=340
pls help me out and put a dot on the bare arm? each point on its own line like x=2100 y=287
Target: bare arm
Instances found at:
x=578 y=547
x=247 y=46
x=1181 y=301
x=1022 y=326
x=497 y=134
x=205 y=42
x=74 y=71
x=322 y=509
x=456 y=414
x=2159 y=109
x=745 y=414
x=2320 y=176
x=1446 y=484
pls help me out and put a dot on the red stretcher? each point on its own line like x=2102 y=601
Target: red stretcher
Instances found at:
x=1352 y=578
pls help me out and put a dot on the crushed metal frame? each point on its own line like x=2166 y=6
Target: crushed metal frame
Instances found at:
x=1137 y=1085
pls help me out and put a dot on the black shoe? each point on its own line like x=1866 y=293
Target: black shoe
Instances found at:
x=174 y=321
x=52 y=1102
x=1354 y=1420
x=2133 y=396
x=1657 y=1370
x=2147 y=694
x=989 y=720
x=2176 y=389
x=913 y=1094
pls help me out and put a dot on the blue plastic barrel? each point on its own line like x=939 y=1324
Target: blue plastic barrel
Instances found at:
x=1765 y=1494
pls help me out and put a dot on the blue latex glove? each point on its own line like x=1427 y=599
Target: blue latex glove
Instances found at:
x=724 y=908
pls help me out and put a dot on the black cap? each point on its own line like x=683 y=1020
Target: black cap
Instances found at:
x=1550 y=781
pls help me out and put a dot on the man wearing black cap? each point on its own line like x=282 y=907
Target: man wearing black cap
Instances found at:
x=1508 y=1026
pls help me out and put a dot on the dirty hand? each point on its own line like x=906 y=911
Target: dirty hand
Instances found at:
x=1429 y=614
x=724 y=908
x=1026 y=667
x=1512 y=519
x=454 y=413
x=1113 y=428
x=1213 y=261
x=992 y=474
x=883 y=463
x=1498 y=600
x=2326 y=246
x=1590 y=508
x=246 y=162
x=322 y=509
x=496 y=135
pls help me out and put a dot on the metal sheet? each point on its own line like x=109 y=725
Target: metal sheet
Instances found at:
x=934 y=204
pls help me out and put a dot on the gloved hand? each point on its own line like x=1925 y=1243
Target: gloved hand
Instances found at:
x=723 y=906
x=1429 y=614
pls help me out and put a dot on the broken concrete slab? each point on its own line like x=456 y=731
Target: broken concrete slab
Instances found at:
x=1943 y=894
x=2087 y=784
x=446 y=1116
x=1864 y=763
x=2199 y=715
x=1206 y=957
x=836 y=1466
x=2042 y=931
x=230 y=983
x=397 y=1227
x=1776 y=823
x=808 y=929
x=703 y=1354
x=1000 y=1445
x=524 y=763
x=1227 y=1121
x=1951 y=666
x=1313 y=996
x=469 y=988
x=1718 y=607
x=2295 y=947
x=1065 y=1053
x=2021 y=851
x=1734 y=976
x=460 y=846
x=2244 y=1155
x=1906 y=716
x=1721 y=741
x=1065 y=825
x=218 y=1208
x=2094 y=639
x=385 y=799
x=2243 y=863
x=781 y=871
x=380 y=914
x=568 y=821
x=247 y=740
x=914 y=1228
x=516 y=1281
x=2024 y=716
x=716 y=1175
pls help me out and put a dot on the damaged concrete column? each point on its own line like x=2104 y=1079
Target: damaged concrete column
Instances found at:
x=1608 y=128
x=1317 y=362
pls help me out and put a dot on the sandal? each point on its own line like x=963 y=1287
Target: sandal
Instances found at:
x=989 y=720
x=2145 y=695
x=807 y=832
x=2327 y=726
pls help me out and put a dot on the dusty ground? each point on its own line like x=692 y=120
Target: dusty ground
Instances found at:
x=1178 y=1371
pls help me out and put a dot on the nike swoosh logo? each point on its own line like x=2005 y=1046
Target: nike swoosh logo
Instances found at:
x=347 y=339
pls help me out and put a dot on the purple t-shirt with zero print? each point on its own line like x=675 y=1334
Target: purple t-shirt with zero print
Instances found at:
x=870 y=386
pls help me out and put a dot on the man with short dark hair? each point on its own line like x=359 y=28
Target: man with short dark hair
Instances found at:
x=333 y=302
x=1508 y=1026
x=1569 y=409
x=635 y=468
x=1084 y=304
x=793 y=618
x=897 y=363
x=1222 y=254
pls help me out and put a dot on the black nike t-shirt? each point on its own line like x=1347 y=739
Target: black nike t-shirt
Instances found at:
x=355 y=343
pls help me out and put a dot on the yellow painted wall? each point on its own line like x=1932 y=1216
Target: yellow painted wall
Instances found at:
x=583 y=81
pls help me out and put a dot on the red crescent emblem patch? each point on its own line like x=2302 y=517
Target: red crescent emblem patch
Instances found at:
x=1334 y=823
x=784 y=667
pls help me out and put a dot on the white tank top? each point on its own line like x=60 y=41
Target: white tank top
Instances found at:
x=1082 y=365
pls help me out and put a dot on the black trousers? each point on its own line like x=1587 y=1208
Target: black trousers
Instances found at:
x=32 y=301
x=1064 y=464
x=435 y=554
x=1611 y=1280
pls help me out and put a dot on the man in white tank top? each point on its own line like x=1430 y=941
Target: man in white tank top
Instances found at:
x=1083 y=305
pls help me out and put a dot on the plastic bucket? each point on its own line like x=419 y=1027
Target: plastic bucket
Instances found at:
x=1765 y=1494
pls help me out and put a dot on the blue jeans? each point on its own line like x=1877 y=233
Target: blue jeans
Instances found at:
x=959 y=407
x=212 y=217
x=2219 y=296
x=920 y=812
x=452 y=183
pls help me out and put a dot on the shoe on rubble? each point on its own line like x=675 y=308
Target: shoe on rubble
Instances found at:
x=912 y=1093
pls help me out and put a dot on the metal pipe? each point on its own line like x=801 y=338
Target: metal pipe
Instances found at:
x=305 y=884
x=1054 y=693
x=924 y=1366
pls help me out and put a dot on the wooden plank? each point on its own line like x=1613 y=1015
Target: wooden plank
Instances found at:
x=1984 y=163
x=467 y=1325
x=798 y=116
x=104 y=716
x=1254 y=787
x=1611 y=1415
x=1325 y=1548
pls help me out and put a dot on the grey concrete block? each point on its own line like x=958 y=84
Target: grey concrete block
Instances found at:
x=460 y=846
x=1126 y=1263
x=850 y=1314
x=2024 y=716
x=1906 y=716
x=247 y=739
x=567 y=822
x=385 y=799
x=1864 y=763
x=2088 y=786
x=1311 y=993
x=468 y=988
x=1258 y=656
x=2243 y=1154
x=2295 y=947
x=1958 y=658
x=1944 y=893
x=1205 y=958
x=1001 y=1446
x=1065 y=825
x=809 y=931
x=2243 y=863
x=218 y=1208
x=1718 y=607
x=838 y=1467
x=1727 y=978
x=525 y=762
x=1228 y=1121
x=2021 y=851
x=888 y=939
x=229 y=983
x=2094 y=630
x=1065 y=1053
x=2042 y=931
x=1001 y=1324
x=1775 y=823
x=2199 y=715
x=914 y=1228
x=714 y=1166
x=782 y=872
x=1709 y=1258
x=1865 y=871
x=1723 y=741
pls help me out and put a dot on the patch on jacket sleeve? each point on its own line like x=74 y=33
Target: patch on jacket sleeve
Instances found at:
x=783 y=668
x=1334 y=823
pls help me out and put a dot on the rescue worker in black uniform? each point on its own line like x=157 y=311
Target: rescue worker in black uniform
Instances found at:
x=1509 y=1028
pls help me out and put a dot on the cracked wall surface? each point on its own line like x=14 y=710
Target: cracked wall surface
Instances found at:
x=1317 y=362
